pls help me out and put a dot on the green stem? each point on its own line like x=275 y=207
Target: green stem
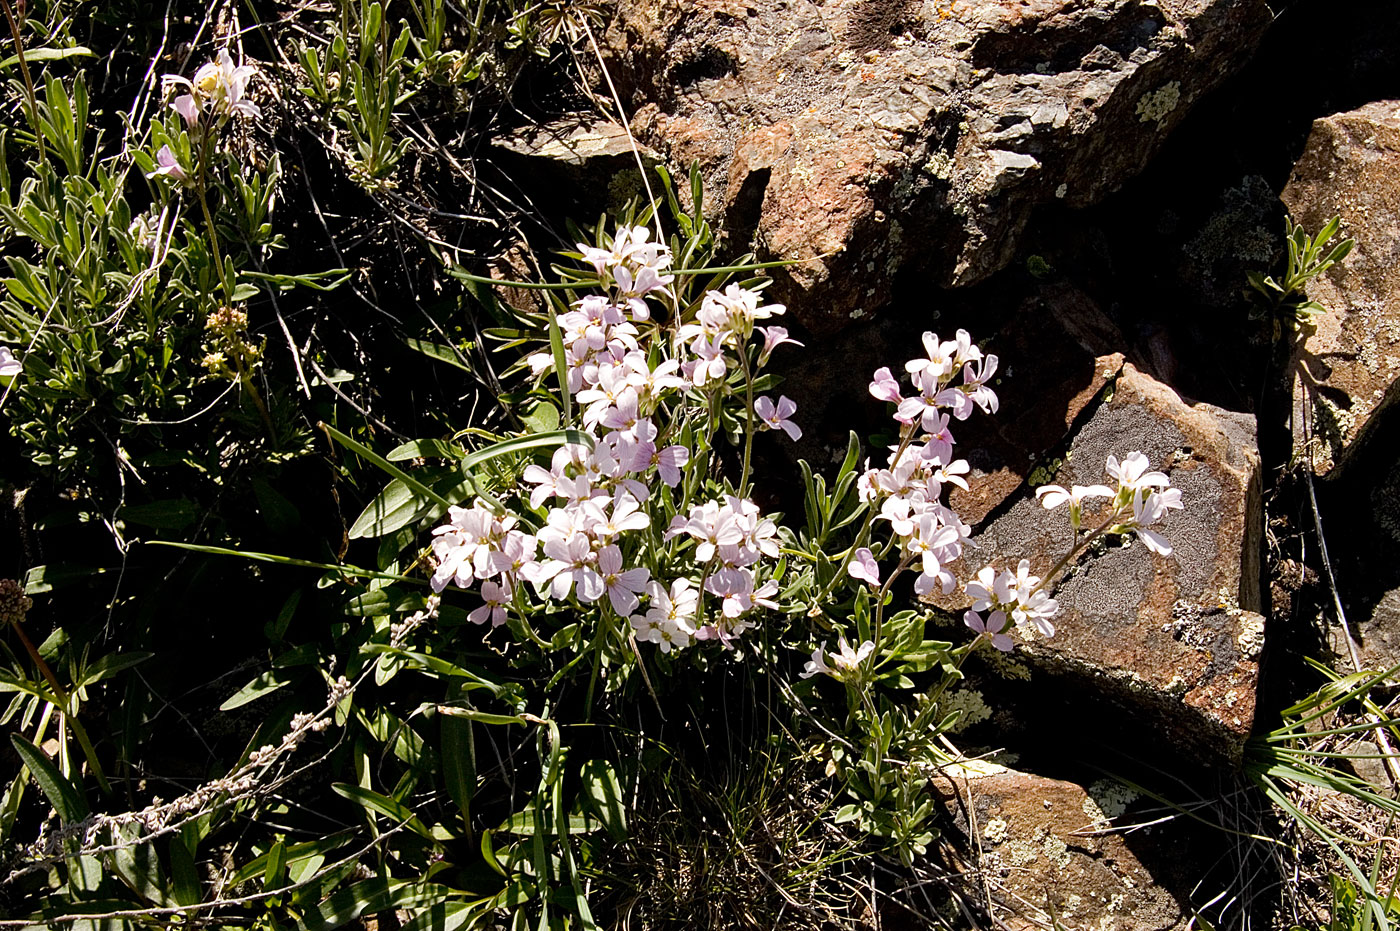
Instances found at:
x=30 y=96
x=884 y=590
x=748 y=432
x=201 y=186
x=66 y=707
x=1078 y=548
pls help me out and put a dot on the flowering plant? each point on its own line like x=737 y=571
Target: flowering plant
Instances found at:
x=629 y=545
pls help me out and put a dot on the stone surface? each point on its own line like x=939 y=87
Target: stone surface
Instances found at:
x=1047 y=862
x=1350 y=168
x=1173 y=640
x=861 y=136
x=586 y=163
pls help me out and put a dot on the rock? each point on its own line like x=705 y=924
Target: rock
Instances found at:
x=589 y=159
x=1046 y=863
x=862 y=136
x=1349 y=168
x=1172 y=640
x=1361 y=522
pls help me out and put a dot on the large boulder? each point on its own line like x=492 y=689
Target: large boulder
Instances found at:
x=861 y=136
x=1172 y=641
x=1347 y=370
x=1048 y=857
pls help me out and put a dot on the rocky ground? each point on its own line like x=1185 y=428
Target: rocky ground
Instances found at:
x=1087 y=185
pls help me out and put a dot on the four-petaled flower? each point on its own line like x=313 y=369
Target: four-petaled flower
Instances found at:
x=775 y=417
x=991 y=628
x=168 y=165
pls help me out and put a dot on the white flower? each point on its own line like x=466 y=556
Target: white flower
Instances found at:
x=1052 y=496
x=669 y=620
x=219 y=88
x=844 y=665
x=1132 y=473
x=9 y=365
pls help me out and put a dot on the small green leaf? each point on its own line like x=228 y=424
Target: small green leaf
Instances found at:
x=270 y=681
x=396 y=507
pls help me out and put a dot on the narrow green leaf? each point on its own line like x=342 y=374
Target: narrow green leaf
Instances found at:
x=288 y=561
x=59 y=791
x=458 y=753
x=46 y=54
x=426 y=449
x=384 y=805
x=520 y=444
x=602 y=794
x=439 y=352
x=110 y=665
x=366 y=453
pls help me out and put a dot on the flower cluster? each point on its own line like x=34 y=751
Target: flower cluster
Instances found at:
x=1001 y=594
x=219 y=90
x=909 y=491
x=730 y=539
x=634 y=266
x=476 y=544
x=1140 y=501
x=596 y=496
x=726 y=322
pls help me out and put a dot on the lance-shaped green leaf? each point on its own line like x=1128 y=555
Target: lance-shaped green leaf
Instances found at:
x=56 y=788
x=366 y=453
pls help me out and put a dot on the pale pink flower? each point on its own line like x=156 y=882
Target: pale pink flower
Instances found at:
x=168 y=165
x=776 y=417
x=669 y=462
x=938 y=365
x=622 y=585
x=219 y=88
x=991 y=628
x=864 y=567
x=496 y=597
x=885 y=387
x=9 y=365
x=773 y=337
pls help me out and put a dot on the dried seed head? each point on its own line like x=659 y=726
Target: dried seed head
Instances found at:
x=14 y=604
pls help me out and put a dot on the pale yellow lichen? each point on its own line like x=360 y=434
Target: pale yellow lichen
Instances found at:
x=1157 y=104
